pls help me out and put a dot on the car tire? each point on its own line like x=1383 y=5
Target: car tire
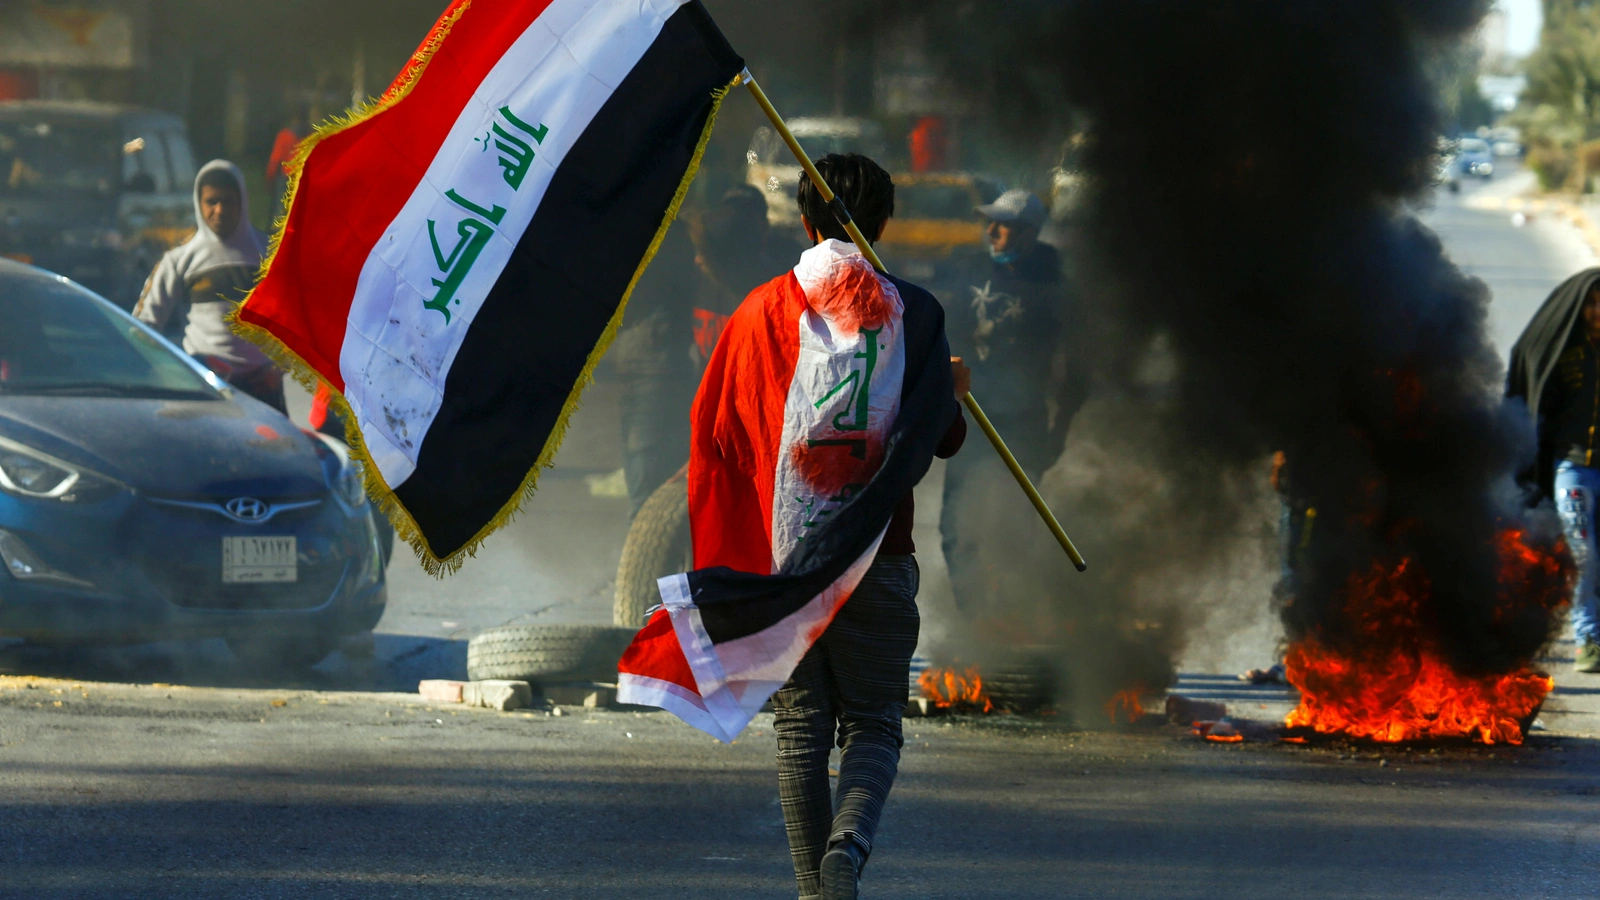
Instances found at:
x=548 y=653
x=282 y=653
x=657 y=545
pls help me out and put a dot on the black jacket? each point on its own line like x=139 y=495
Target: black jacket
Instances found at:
x=1534 y=357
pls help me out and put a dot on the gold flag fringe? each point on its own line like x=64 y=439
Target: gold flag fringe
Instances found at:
x=381 y=494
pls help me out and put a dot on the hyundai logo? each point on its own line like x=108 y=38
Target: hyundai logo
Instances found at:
x=247 y=509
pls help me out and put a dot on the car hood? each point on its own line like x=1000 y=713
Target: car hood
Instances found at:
x=41 y=218
x=172 y=448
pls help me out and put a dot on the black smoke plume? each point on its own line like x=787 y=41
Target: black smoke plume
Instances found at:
x=1247 y=234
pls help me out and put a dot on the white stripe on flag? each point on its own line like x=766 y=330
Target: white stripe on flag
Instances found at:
x=827 y=375
x=642 y=690
x=398 y=352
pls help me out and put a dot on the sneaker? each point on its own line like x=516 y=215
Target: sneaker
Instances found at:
x=1588 y=658
x=841 y=872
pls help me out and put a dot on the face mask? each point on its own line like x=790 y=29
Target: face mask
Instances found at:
x=1006 y=258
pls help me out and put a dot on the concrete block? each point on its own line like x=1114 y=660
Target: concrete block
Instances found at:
x=501 y=695
x=440 y=691
x=592 y=695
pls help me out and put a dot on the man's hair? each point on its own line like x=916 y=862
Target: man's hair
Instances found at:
x=863 y=185
x=221 y=179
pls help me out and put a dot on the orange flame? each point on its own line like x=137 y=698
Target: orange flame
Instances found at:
x=1398 y=687
x=1127 y=703
x=1225 y=738
x=947 y=687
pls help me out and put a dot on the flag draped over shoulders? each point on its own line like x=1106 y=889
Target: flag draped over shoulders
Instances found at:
x=820 y=409
x=456 y=257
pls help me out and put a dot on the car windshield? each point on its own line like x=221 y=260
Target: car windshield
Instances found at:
x=768 y=149
x=39 y=156
x=1473 y=145
x=934 y=201
x=57 y=339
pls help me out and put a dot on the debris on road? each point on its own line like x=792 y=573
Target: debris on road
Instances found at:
x=1183 y=711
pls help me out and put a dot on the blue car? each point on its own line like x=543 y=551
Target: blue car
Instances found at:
x=1474 y=158
x=142 y=499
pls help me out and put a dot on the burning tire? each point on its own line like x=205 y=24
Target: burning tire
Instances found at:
x=1019 y=679
x=657 y=545
x=1020 y=686
x=548 y=653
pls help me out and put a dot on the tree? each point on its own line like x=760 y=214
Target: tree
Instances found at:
x=1561 y=107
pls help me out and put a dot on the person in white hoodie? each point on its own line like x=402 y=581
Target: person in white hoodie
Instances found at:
x=201 y=281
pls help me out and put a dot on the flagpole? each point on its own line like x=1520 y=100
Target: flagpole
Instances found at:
x=843 y=215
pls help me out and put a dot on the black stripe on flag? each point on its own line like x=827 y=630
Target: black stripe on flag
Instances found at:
x=737 y=604
x=531 y=339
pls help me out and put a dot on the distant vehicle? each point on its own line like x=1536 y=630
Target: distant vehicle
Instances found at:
x=94 y=191
x=1506 y=149
x=1473 y=157
x=934 y=226
x=771 y=166
x=141 y=499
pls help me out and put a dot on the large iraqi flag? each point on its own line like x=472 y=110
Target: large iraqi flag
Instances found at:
x=821 y=408
x=457 y=256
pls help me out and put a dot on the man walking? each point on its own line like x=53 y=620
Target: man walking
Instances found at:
x=1555 y=368
x=852 y=685
x=199 y=283
x=824 y=402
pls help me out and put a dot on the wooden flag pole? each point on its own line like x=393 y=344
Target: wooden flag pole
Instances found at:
x=843 y=215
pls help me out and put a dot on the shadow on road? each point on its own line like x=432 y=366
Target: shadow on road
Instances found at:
x=394 y=662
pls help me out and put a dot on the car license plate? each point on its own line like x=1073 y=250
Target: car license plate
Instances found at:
x=259 y=560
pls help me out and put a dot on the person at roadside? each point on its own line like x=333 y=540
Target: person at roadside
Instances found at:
x=283 y=147
x=1007 y=326
x=704 y=269
x=197 y=285
x=651 y=360
x=1555 y=368
x=850 y=688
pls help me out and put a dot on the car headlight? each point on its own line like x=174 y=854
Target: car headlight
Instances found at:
x=350 y=487
x=29 y=473
x=344 y=475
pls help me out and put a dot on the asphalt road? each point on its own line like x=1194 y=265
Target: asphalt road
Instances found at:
x=239 y=784
x=1520 y=264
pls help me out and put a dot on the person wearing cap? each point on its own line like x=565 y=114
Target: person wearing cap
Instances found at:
x=1005 y=323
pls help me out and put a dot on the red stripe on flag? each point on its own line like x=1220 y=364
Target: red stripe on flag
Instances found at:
x=655 y=653
x=355 y=180
x=738 y=421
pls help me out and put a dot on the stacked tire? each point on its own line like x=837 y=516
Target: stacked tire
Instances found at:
x=549 y=654
x=657 y=545
x=1020 y=681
